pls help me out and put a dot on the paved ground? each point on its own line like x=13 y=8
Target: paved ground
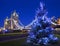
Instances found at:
x=10 y=38
x=20 y=36
x=17 y=37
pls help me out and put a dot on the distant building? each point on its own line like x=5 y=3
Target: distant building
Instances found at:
x=58 y=21
x=57 y=27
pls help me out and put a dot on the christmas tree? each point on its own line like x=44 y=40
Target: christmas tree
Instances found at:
x=41 y=32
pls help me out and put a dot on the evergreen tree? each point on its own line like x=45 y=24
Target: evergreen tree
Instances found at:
x=41 y=32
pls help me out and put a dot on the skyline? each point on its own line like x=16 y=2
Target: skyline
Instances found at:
x=26 y=9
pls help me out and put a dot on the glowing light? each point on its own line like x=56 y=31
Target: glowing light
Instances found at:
x=58 y=22
x=6 y=30
x=39 y=41
x=33 y=36
x=55 y=38
x=45 y=40
x=11 y=27
x=6 y=23
x=51 y=36
x=0 y=30
x=28 y=41
x=3 y=28
x=40 y=31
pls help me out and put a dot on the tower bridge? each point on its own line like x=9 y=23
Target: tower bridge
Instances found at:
x=13 y=23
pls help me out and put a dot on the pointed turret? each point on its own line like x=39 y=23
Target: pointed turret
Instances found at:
x=15 y=14
x=7 y=19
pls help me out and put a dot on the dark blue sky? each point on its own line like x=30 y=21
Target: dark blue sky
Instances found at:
x=26 y=9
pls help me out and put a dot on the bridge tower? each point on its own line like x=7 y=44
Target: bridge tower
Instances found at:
x=13 y=22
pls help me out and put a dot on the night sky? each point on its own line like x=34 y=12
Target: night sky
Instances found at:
x=27 y=9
